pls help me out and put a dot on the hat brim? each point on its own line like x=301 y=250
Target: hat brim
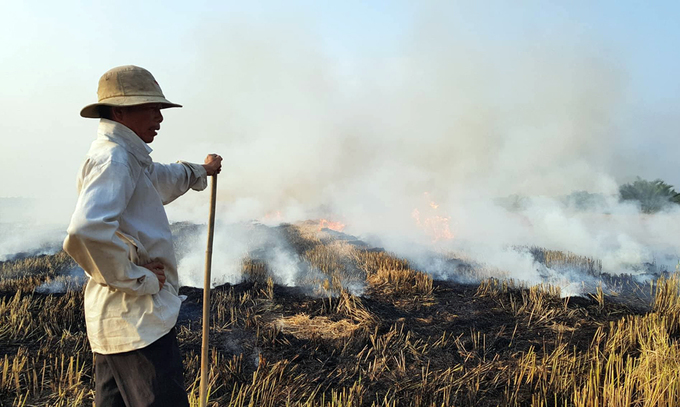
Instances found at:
x=92 y=111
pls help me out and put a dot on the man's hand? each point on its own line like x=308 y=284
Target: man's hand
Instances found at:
x=213 y=164
x=158 y=269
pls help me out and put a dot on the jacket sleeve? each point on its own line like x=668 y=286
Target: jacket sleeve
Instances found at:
x=91 y=236
x=173 y=180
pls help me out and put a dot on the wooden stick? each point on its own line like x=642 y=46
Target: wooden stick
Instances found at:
x=206 y=295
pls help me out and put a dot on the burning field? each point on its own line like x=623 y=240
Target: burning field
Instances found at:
x=439 y=203
x=359 y=326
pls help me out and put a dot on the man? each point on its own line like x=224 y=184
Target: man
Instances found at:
x=119 y=234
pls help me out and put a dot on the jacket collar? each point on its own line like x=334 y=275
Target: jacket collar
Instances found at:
x=128 y=139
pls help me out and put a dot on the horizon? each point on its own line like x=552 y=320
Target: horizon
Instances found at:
x=367 y=111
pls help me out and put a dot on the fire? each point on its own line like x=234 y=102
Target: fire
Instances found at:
x=433 y=223
x=337 y=226
x=271 y=217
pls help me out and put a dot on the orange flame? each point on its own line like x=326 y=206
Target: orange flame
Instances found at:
x=337 y=226
x=435 y=225
x=274 y=216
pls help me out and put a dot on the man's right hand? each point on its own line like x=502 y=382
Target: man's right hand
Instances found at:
x=158 y=269
x=213 y=164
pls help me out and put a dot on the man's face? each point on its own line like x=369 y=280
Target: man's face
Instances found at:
x=145 y=120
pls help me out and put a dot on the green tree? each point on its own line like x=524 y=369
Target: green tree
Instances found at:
x=652 y=196
x=585 y=201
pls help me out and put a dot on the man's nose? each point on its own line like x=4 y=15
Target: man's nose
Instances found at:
x=160 y=116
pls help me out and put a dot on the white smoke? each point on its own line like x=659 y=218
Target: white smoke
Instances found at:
x=26 y=230
x=70 y=280
x=232 y=244
x=448 y=109
x=462 y=119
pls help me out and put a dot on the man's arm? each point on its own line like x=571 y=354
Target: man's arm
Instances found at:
x=174 y=180
x=92 y=240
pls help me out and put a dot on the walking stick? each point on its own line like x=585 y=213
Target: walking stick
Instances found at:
x=206 y=294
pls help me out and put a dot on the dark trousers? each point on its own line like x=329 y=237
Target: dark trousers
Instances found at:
x=151 y=376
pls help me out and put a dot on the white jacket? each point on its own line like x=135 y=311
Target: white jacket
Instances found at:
x=120 y=224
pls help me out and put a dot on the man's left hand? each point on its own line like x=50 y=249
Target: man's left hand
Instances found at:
x=213 y=164
x=158 y=269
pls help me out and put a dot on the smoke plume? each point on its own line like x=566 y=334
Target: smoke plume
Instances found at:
x=418 y=144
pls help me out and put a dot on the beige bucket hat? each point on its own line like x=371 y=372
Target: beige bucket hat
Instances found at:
x=126 y=86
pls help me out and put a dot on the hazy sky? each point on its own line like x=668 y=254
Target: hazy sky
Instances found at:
x=365 y=110
x=201 y=52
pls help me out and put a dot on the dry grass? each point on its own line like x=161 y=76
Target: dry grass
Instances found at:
x=28 y=273
x=407 y=341
x=559 y=259
x=301 y=326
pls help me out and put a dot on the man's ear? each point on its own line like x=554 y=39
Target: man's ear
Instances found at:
x=116 y=113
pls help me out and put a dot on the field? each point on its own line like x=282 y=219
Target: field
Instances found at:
x=405 y=341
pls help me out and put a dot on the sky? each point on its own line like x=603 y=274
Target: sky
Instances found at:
x=359 y=108
x=54 y=52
